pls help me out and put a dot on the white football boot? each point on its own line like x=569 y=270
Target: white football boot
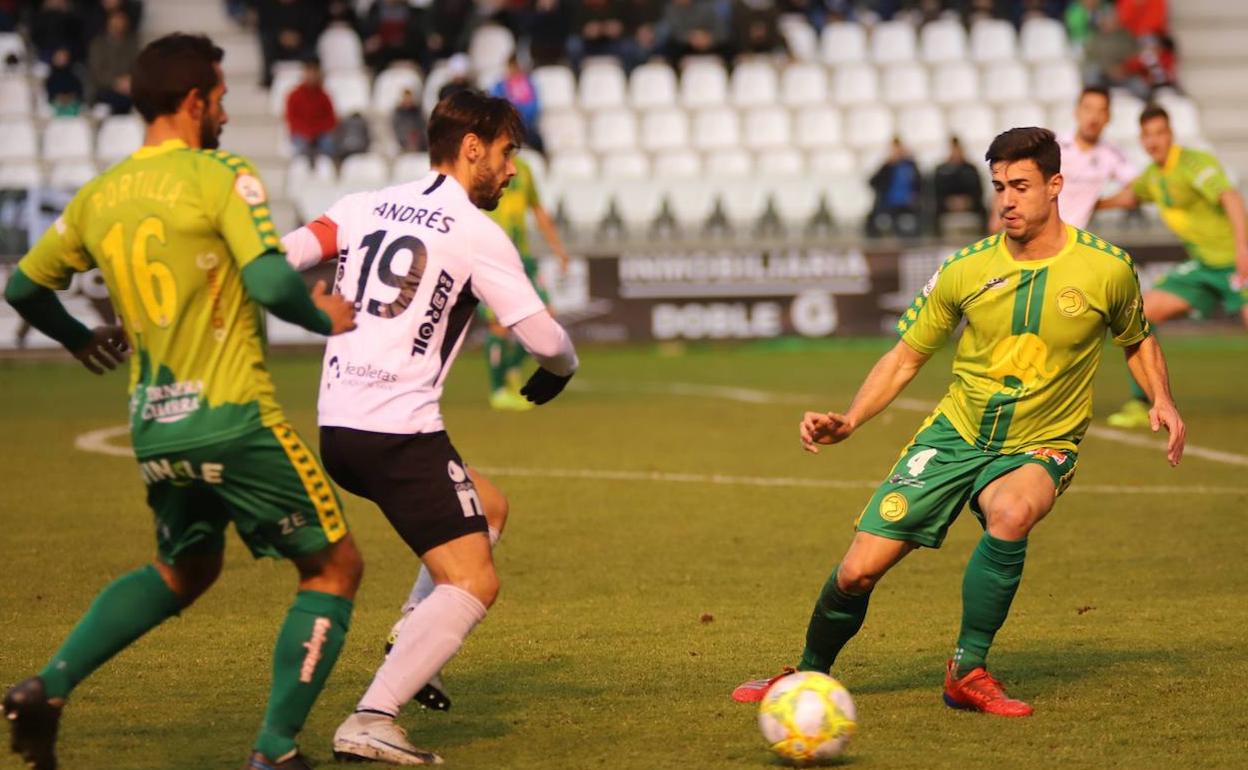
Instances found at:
x=375 y=737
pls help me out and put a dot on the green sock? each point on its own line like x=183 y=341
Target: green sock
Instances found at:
x=513 y=354
x=495 y=360
x=992 y=576
x=837 y=617
x=127 y=608
x=307 y=647
x=1136 y=391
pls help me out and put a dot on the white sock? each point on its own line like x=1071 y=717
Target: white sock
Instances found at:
x=438 y=628
x=424 y=581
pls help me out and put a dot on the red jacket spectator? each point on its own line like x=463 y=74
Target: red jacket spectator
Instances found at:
x=309 y=112
x=1143 y=17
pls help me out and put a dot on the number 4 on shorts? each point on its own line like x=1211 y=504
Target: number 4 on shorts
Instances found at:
x=920 y=460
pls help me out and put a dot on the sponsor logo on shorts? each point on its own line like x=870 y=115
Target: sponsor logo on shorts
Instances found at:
x=898 y=480
x=1056 y=456
x=172 y=402
x=1071 y=302
x=894 y=506
x=180 y=472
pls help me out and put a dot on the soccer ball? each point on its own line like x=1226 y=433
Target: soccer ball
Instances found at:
x=807 y=717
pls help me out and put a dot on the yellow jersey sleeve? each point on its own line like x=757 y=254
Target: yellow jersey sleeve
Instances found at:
x=1141 y=188
x=1205 y=175
x=235 y=196
x=60 y=252
x=935 y=312
x=1126 y=306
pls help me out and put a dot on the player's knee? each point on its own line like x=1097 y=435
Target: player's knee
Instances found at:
x=496 y=509
x=347 y=566
x=1012 y=518
x=857 y=579
x=482 y=585
x=190 y=578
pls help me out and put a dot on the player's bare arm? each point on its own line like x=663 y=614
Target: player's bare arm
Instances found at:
x=1233 y=204
x=551 y=233
x=1148 y=365
x=1123 y=199
x=890 y=375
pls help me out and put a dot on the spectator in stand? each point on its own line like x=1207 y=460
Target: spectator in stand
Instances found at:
x=448 y=29
x=598 y=30
x=310 y=115
x=53 y=27
x=109 y=60
x=896 y=186
x=288 y=31
x=1081 y=21
x=409 y=124
x=352 y=137
x=693 y=27
x=459 y=69
x=959 y=189
x=392 y=32
x=1143 y=18
x=643 y=17
x=63 y=86
x=1153 y=67
x=517 y=88
x=756 y=27
x=96 y=16
x=552 y=26
x=1107 y=52
x=10 y=10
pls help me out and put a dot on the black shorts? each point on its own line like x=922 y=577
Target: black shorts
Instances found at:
x=418 y=480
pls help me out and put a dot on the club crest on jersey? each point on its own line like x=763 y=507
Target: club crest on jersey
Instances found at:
x=1071 y=302
x=249 y=189
x=995 y=283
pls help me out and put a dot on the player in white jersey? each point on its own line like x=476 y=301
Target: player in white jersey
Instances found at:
x=1090 y=163
x=416 y=258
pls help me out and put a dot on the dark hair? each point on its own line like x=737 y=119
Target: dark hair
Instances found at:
x=466 y=112
x=1037 y=144
x=169 y=68
x=1098 y=90
x=1153 y=110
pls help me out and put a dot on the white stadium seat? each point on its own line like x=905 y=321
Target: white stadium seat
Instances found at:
x=20 y=141
x=349 y=91
x=922 y=129
x=692 y=202
x=1061 y=118
x=941 y=41
x=802 y=84
x=780 y=162
x=602 y=85
x=850 y=200
x=638 y=203
x=11 y=45
x=767 y=127
x=703 y=83
x=677 y=164
x=625 y=165
x=71 y=174
x=18 y=175
x=652 y=84
x=1043 y=39
x=818 y=127
x=869 y=127
x=119 y=136
x=286 y=75
x=389 y=86
x=744 y=203
x=556 y=86
x=955 y=83
x=1021 y=114
x=16 y=97
x=716 y=129
x=611 y=130
x=339 y=49
x=409 y=166
x=856 y=84
x=664 y=129
x=975 y=125
x=799 y=37
x=365 y=171
x=1124 y=116
x=728 y=163
x=992 y=40
x=1005 y=83
x=1184 y=119
x=843 y=42
x=753 y=83
x=537 y=164
x=1057 y=82
x=587 y=205
x=905 y=84
x=796 y=201
x=834 y=161
x=563 y=129
x=572 y=167
x=490 y=47
x=67 y=139
x=892 y=42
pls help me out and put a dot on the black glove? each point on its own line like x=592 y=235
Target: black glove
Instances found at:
x=543 y=386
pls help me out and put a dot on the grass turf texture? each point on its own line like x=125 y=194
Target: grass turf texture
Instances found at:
x=1127 y=634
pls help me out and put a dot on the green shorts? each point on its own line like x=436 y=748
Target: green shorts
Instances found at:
x=1204 y=288
x=938 y=474
x=531 y=269
x=267 y=482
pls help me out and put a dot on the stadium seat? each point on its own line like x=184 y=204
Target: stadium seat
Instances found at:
x=71 y=174
x=389 y=86
x=298 y=173
x=818 y=127
x=408 y=167
x=314 y=199
x=11 y=46
x=922 y=129
x=67 y=139
x=744 y=203
x=1056 y=82
x=677 y=164
x=572 y=166
x=767 y=127
x=1005 y=83
x=942 y=41
x=796 y=200
x=20 y=142
x=1184 y=117
x=365 y=171
x=843 y=42
x=586 y=206
x=664 y=129
x=905 y=84
x=601 y=86
x=1021 y=114
x=339 y=49
x=955 y=83
x=691 y=203
x=869 y=127
x=850 y=201
x=16 y=97
x=556 y=86
x=537 y=164
x=119 y=136
x=716 y=128
x=802 y=84
x=1061 y=118
x=652 y=84
x=780 y=162
x=703 y=83
x=856 y=84
x=611 y=130
x=892 y=42
x=563 y=129
x=832 y=161
x=975 y=125
x=1043 y=39
x=628 y=164
x=799 y=37
x=754 y=83
x=490 y=48
x=286 y=75
x=728 y=163
x=20 y=175
x=437 y=77
x=349 y=91
x=638 y=203
x=992 y=40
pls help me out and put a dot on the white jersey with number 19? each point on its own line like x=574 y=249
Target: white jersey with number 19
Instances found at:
x=415 y=258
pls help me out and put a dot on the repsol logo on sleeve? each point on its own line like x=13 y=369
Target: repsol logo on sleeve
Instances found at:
x=434 y=313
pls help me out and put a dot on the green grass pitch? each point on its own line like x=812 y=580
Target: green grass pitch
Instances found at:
x=631 y=605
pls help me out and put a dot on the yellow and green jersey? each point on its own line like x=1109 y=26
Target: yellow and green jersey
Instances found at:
x=1187 y=189
x=519 y=196
x=1034 y=331
x=171 y=229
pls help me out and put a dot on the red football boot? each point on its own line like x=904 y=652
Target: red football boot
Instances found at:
x=979 y=691
x=754 y=690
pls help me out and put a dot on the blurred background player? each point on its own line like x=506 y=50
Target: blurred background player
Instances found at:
x=503 y=355
x=182 y=235
x=1205 y=211
x=1089 y=161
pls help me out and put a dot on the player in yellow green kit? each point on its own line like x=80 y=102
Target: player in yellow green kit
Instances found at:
x=503 y=355
x=1201 y=206
x=182 y=235
x=1037 y=300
